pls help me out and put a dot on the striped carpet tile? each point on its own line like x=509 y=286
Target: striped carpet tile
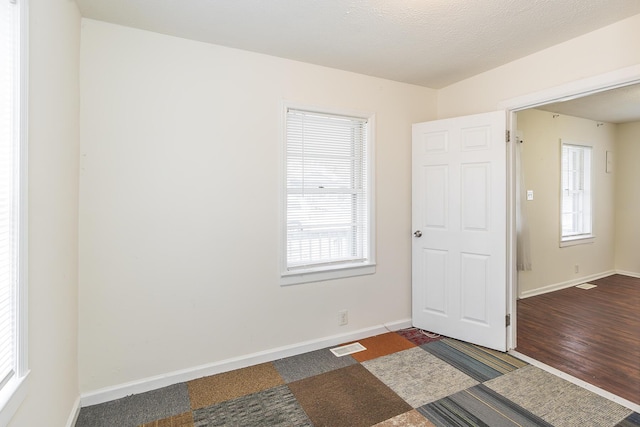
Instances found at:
x=479 y=363
x=632 y=420
x=479 y=406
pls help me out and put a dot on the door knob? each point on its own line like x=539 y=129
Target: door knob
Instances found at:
x=418 y=233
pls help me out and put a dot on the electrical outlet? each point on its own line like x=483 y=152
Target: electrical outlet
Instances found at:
x=343 y=317
x=576 y=268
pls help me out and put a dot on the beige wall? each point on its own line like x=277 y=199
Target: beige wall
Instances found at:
x=53 y=214
x=167 y=124
x=607 y=49
x=179 y=190
x=553 y=266
x=627 y=172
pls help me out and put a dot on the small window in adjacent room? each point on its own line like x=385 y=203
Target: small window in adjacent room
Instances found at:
x=13 y=358
x=577 y=199
x=328 y=187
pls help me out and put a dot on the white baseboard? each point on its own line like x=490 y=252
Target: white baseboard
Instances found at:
x=563 y=285
x=152 y=383
x=75 y=411
x=628 y=273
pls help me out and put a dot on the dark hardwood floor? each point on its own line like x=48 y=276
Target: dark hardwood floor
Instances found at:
x=593 y=335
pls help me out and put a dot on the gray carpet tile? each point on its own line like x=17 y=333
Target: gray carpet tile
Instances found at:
x=137 y=409
x=418 y=376
x=273 y=407
x=309 y=364
x=479 y=406
x=557 y=401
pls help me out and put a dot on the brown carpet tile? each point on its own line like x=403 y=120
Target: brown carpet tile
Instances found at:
x=381 y=345
x=350 y=396
x=408 y=419
x=229 y=385
x=182 y=420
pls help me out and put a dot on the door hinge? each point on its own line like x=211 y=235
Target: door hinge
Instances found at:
x=508 y=320
x=508 y=135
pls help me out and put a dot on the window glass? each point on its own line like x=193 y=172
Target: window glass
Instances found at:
x=576 y=214
x=327 y=187
x=13 y=370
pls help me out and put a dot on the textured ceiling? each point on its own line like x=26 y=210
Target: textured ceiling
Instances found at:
x=431 y=43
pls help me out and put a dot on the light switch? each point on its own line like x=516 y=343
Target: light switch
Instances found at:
x=529 y=194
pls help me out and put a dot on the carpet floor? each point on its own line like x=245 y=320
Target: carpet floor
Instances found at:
x=403 y=378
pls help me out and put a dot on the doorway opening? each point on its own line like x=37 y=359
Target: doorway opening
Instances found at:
x=575 y=90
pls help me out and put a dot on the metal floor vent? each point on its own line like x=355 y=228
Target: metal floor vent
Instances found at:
x=347 y=349
x=586 y=286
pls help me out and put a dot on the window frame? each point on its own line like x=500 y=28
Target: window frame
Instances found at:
x=332 y=271
x=15 y=390
x=588 y=176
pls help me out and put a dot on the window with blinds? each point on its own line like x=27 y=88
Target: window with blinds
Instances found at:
x=328 y=191
x=10 y=174
x=576 y=192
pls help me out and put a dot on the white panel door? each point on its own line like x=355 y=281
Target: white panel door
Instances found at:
x=459 y=225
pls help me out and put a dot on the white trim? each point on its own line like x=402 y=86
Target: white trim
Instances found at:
x=75 y=412
x=13 y=393
x=175 y=377
x=23 y=294
x=564 y=285
x=628 y=273
x=336 y=272
x=566 y=242
x=590 y=387
x=511 y=243
x=576 y=89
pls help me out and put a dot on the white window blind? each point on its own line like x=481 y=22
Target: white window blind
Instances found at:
x=9 y=185
x=576 y=192
x=327 y=190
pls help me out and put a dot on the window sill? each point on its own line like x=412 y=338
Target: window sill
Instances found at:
x=11 y=397
x=582 y=240
x=307 y=276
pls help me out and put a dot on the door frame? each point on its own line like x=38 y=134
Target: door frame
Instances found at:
x=572 y=90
